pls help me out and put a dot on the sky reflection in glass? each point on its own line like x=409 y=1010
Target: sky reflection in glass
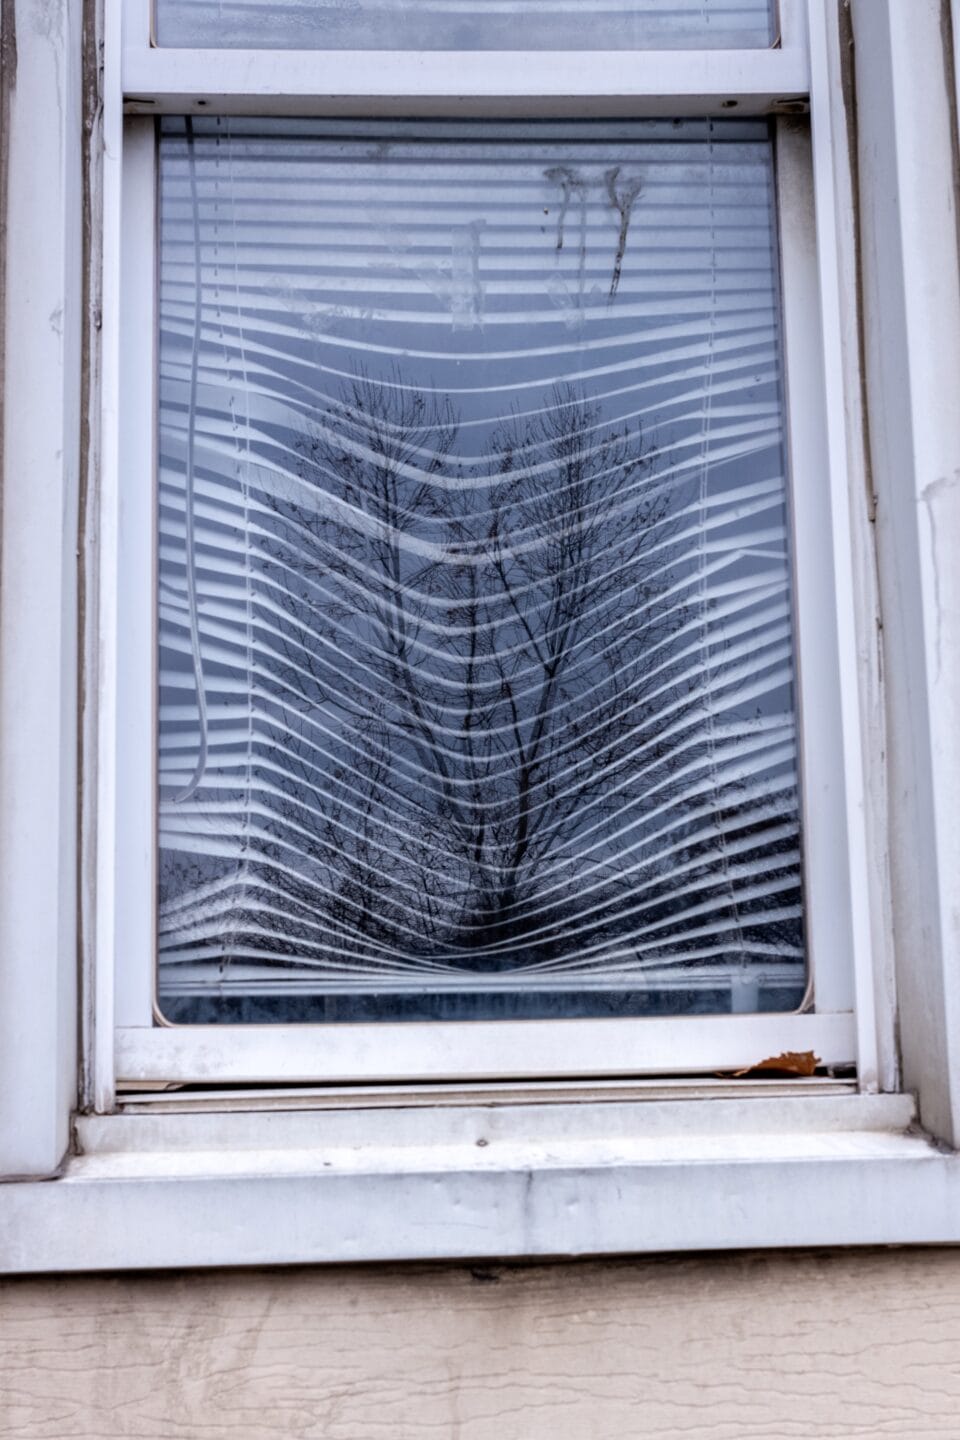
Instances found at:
x=466 y=24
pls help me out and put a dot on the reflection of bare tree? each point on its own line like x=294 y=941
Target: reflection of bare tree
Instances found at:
x=562 y=543
x=481 y=671
x=343 y=646
x=479 y=740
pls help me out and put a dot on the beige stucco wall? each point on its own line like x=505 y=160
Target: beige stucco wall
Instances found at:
x=746 y=1347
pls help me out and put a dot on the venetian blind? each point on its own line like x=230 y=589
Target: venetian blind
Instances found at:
x=476 y=675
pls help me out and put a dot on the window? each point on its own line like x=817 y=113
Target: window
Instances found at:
x=483 y=592
x=528 y=1136
x=476 y=693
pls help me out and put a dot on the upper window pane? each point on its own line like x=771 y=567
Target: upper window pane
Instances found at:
x=466 y=24
x=476 y=670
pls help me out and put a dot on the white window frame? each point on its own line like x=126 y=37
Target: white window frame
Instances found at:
x=496 y=1169
x=492 y=85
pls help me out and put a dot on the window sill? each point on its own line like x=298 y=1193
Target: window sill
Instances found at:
x=482 y=1180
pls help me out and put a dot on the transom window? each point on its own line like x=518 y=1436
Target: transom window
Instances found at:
x=466 y=24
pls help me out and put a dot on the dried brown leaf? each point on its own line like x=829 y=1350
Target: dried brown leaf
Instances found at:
x=789 y=1062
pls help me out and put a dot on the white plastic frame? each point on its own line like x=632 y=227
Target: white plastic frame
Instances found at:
x=591 y=84
x=505 y=83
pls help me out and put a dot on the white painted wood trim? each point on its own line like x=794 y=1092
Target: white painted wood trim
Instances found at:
x=561 y=1181
x=827 y=904
x=841 y=91
x=912 y=371
x=42 y=322
x=103 y=685
x=857 y=877
x=218 y=1054
x=656 y=1115
x=383 y=82
x=132 y=882
x=793 y=25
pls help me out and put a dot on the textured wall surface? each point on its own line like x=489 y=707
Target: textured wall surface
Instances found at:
x=746 y=1347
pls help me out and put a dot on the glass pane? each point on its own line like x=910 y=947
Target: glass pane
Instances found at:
x=466 y=24
x=476 y=677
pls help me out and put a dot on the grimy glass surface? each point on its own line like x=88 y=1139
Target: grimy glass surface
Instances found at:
x=466 y=24
x=476 y=675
